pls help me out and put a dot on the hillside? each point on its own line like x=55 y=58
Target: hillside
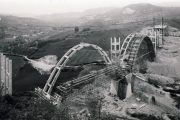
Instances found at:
x=16 y=21
x=59 y=46
x=130 y=13
x=57 y=43
x=28 y=27
x=20 y=24
x=104 y=16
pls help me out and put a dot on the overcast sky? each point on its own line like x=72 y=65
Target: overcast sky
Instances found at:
x=38 y=7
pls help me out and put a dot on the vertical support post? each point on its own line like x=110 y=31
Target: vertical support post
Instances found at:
x=3 y=73
x=156 y=38
x=153 y=22
x=162 y=30
x=10 y=77
x=155 y=46
x=111 y=47
x=122 y=88
x=0 y=70
x=132 y=83
x=154 y=34
x=6 y=76
x=115 y=48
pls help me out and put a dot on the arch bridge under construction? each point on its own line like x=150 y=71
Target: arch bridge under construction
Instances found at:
x=135 y=51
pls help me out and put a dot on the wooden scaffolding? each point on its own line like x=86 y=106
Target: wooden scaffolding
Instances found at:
x=5 y=75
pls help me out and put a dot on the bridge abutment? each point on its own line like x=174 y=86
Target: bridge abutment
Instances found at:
x=121 y=88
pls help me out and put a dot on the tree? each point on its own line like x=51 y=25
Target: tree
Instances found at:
x=38 y=109
x=2 y=33
x=76 y=29
x=19 y=39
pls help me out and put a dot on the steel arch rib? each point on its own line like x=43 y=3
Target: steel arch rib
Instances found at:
x=134 y=49
x=138 y=41
x=143 y=39
x=60 y=65
x=139 y=44
x=125 y=46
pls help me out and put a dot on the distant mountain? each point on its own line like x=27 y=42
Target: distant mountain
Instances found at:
x=14 y=21
x=135 y=12
x=66 y=19
x=169 y=4
x=13 y=26
x=105 y=16
x=73 y=19
x=98 y=16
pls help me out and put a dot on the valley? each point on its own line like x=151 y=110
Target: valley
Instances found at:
x=142 y=82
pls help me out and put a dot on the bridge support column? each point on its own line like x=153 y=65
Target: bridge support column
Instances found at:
x=114 y=87
x=121 y=88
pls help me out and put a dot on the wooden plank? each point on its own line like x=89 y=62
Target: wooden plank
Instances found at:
x=0 y=69
x=10 y=77
x=6 y=76
x=3 y=72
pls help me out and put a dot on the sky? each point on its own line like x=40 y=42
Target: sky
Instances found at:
x=40 y=7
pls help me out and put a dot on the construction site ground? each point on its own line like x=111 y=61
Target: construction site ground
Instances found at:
x=166 y=64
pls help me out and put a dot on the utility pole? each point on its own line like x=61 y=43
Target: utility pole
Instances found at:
x=153 y=22
x=162 y=30
x=154 y=34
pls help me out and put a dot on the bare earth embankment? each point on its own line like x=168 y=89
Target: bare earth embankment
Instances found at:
x=168 y=59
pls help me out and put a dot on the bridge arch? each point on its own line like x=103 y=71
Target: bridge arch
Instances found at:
x=62 y=62
x=141 y=49
x=125 y=45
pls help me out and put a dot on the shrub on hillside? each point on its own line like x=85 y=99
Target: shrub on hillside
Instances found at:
x=76 y=29
x=31 y=108
x=39 y=109
x=85 y=29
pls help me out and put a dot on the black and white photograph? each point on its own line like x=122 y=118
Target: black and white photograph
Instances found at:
x=89 y=60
